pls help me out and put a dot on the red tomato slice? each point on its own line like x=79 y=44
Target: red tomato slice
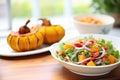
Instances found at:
x=63 y=54
x=92 y=58
x=106 y=48
x=78 y=44
x=92 y=41
x=94 y=51
x=104 y=59
x=96 y=54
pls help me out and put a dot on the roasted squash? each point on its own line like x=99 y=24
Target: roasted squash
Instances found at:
x=51 y=33
x=81 y=56
x=68 y=45
x=91 y=63
x=25 y=39
x=112 y=59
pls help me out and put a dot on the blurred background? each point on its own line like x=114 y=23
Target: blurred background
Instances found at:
x=14 y=13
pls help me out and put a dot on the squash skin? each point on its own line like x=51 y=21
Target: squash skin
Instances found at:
x=52 y=33
x=26 y=42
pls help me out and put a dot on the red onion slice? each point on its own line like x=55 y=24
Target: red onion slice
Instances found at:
x=77 y=48
x=99 y=61
x=84 y=47
x=87 y=48
x=103 y=53
x=74 y=55
x=83 y=61
x=87 y=43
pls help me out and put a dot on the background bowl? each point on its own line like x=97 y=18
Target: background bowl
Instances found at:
x=88 y=70
x=104 y=28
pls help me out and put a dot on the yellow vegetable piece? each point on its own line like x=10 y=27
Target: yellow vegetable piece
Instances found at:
x=91 y=63
x=68 y=45
x=95 y=47
x=112 y=59
x=81 y=56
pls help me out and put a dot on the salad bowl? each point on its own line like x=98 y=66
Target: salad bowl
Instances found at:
x=87 y=70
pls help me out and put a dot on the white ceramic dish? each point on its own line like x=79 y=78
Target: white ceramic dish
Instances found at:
x=88 y=70
x=5 y=50
x=84 y=28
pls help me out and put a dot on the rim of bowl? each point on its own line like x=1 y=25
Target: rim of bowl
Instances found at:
x=83 y=15
x=72 y=64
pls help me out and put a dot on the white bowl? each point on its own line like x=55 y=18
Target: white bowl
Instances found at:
x=88 y=70
x=104 y=28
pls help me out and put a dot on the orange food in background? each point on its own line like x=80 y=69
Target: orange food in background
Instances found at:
x=90 y=19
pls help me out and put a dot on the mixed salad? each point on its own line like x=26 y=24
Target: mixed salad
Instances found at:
x=88 y=51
